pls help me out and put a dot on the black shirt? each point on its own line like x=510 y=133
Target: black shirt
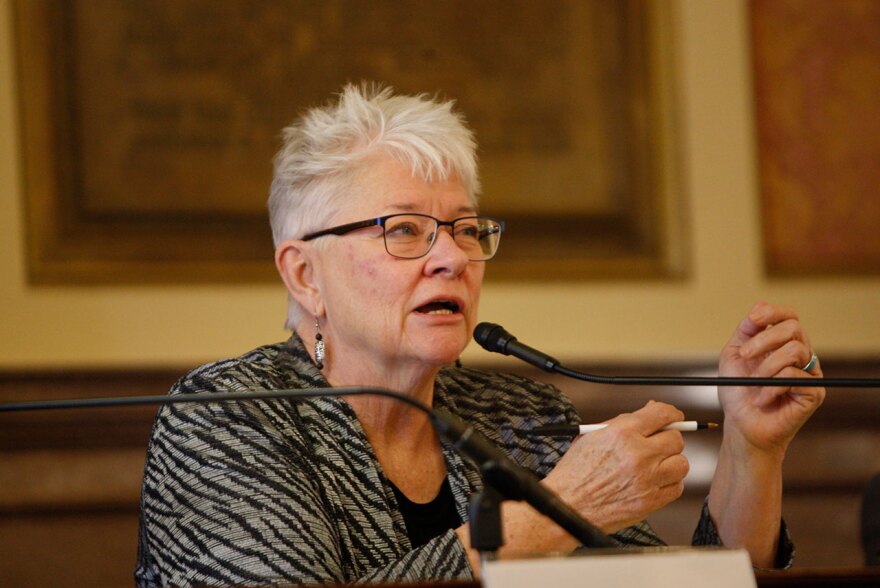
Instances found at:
x=431 y=519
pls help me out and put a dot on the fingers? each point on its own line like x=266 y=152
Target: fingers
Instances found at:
x=763 y=315
x=786 y=362
x=774 y=337
x=650 y=418
x=650 y=455
x=672 y=470
x=627 y=470
x=670 y=492
x=778 y=347
x=664 y=487
x=791 y=353
x=772 y=340
x=807 y=396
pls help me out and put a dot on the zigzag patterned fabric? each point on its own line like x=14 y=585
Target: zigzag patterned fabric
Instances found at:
x=290 y=492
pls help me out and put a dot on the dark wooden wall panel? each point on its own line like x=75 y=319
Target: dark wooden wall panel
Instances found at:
x=70 y=480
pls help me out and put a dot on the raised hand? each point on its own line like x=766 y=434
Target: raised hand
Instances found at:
x=618 y=475
x=770 y=341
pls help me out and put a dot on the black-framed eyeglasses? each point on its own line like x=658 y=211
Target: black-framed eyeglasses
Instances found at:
x=411 y=236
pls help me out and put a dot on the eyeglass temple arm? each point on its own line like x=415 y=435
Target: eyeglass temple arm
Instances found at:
x=492 y=230
x=343 y=229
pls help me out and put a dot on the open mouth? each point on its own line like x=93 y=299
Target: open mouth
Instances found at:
x=439 y=307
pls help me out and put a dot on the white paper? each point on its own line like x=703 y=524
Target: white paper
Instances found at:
x=655 y=568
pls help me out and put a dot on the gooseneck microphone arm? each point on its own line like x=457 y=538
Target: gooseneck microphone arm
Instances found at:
x=517 y=483
x=494 y=338
x=508 y=478
x=203 y=397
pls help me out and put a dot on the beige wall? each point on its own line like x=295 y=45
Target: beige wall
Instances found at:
x=183 y=325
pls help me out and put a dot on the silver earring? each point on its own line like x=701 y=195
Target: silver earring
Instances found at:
x=319 y=346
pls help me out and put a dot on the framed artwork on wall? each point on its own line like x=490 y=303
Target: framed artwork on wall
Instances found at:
x=817 y=82
x=148 y=128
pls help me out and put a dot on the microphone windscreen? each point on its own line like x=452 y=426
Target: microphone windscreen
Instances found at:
x=491 y=337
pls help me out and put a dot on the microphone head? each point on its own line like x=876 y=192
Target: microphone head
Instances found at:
x=492 y=337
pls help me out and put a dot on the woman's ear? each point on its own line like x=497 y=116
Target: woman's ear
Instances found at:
x=295 y=262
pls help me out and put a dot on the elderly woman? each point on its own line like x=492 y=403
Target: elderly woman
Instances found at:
x=382 y=249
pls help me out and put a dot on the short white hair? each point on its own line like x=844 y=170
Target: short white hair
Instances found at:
x=324 y=149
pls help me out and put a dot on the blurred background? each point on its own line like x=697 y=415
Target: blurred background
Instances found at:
x=663 y=164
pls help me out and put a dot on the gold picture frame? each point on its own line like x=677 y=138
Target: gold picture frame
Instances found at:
x=148 y=128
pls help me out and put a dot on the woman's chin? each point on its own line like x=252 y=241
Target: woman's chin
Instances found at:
x=442 y=351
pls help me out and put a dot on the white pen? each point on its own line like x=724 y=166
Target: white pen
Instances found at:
x=571 y=430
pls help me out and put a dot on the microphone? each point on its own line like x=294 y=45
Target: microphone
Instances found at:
x=515 y=482
x=510 y=479
x=496 y=339
x=493 y=337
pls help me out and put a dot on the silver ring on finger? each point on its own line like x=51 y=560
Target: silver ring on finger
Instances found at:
x=814 y=359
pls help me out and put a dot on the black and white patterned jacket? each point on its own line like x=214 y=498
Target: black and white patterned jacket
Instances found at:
x=277 y=491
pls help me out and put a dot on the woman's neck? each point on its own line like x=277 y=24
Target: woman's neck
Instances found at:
x=402 y=437
x=382 y=416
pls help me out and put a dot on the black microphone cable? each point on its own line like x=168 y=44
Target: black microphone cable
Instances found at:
x=496 y=339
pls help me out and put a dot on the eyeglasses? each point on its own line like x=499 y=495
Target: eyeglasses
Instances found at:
x=411 y=236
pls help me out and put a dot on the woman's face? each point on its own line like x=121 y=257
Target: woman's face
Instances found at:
x=390 y=311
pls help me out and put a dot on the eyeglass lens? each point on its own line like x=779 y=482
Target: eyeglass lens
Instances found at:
x=411 y=236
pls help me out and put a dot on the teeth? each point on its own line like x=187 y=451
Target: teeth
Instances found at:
x=440 y=311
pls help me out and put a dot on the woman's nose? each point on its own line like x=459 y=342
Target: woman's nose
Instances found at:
x=446 y=255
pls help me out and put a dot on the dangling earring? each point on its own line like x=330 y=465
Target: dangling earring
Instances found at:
x=319 y=346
